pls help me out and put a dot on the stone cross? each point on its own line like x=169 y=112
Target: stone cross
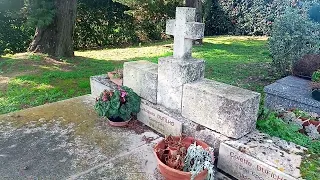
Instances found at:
x=185 y=30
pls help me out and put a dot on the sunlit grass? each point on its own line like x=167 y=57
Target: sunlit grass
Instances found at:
x=28 y=80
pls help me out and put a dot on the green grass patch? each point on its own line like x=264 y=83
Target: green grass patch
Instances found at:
x=270 y=124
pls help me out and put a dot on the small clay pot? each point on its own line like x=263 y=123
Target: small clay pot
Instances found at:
x=118 y=122
x=316 y=94
x=117 y=81
x=173 y=174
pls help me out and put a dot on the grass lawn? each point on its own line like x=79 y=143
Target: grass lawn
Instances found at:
x=28 y=80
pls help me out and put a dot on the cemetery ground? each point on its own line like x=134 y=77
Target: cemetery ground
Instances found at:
x=29 y=80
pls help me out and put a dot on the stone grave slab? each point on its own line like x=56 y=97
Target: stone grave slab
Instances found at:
x=142 y=78
x=259 y=156
x=291 y=92
x=226 y=109
x=62 y=140
x=159 y=121
x=100 y=83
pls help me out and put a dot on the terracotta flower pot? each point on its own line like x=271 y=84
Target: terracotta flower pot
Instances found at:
x=117 y=123
x=117 y=81
x=173 y=174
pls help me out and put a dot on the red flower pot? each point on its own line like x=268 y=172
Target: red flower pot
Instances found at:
x=173 y=174
x=118 y=124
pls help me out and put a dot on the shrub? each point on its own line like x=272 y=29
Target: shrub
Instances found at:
x=307 y=65
x=293 y=36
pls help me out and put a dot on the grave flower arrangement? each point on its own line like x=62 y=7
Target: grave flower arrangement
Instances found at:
x=118 y=106
x=184 y=158
x=315 y=85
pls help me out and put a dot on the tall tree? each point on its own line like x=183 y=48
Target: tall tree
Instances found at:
x=55 y=21
x=198 y=4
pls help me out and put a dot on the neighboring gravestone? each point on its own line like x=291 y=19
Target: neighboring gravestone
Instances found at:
x=174 y=72
x=227 y=109
x=291 y=92
x=259 y=156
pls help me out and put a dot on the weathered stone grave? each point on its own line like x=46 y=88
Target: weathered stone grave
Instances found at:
x=176 y=98
x=291 y=92
x=259 y=156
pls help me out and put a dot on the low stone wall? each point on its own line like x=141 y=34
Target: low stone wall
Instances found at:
x=291 y=92
x=254 y=156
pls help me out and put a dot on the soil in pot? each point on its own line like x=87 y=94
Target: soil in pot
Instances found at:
x=118 y=122
x=171 y=173
x=316 y=94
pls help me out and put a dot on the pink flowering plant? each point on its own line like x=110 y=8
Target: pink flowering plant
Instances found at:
x=122 y=103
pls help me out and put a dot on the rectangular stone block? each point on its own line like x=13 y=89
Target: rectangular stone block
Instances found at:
x=170 y=26
x=259 y=156
x=100 y=83
x=227 y=109
x=159 y=121
x=195 y=30
x=172 y=75
x=142 y=77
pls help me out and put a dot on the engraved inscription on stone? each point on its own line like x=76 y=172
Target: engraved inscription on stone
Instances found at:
x=158 y=121
x=243 y=166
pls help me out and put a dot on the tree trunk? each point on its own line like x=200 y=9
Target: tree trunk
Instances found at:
x=199 y=13
x=57 y=38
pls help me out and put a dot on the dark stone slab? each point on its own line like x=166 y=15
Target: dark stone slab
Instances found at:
x=291 y=92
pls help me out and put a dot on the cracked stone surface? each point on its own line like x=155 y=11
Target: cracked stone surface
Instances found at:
x=66 y=140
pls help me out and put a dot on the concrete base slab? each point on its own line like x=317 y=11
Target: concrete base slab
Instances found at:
x=67 y=139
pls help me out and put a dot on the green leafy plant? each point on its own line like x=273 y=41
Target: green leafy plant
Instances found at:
x=199 y=159
x=316 y=76
x=122 y=103
x=293 y=35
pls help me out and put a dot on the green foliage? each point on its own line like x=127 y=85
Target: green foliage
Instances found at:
x=274 y=126
x=122 y=103
x=293 y=36
x=103 y=23
x=40 y=13
x=150 y=16
x=203 y=158
x=242 y=17
x=316 y=76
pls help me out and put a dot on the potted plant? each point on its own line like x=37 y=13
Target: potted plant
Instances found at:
x=316 y=85
x=116 y=76
x=184 y=158
x=118 y=106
